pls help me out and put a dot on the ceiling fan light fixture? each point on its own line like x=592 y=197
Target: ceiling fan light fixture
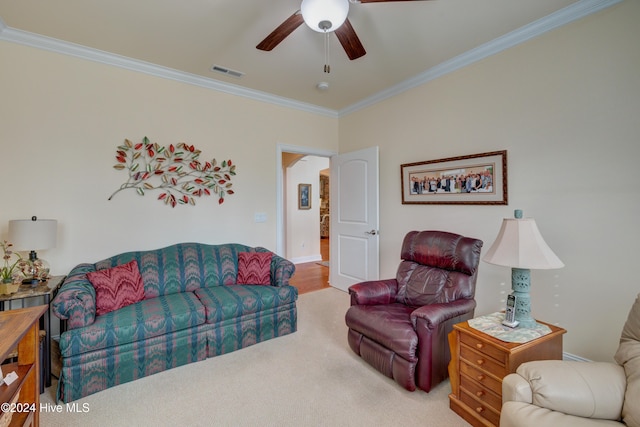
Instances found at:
x=324 y=15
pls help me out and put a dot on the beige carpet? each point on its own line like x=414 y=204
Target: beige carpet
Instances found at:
x=309 y=378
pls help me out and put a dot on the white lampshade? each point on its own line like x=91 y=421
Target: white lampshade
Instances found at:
x=315 y=12
x=33 y=234
x=519 y=244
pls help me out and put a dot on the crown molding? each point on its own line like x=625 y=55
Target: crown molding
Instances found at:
x=557 y=19
x=562 y=17
x=65 y=48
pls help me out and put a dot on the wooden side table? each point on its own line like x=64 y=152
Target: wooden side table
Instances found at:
x=20 y=327
x=479 y=362
x=46 y=290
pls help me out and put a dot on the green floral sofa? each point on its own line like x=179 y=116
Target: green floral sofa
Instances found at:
x=192 y=309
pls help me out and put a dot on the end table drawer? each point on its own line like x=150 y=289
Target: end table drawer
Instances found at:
x=483 y=362
x=480 y=408
x=481 y=393
x=484 y=348
x=481 y=377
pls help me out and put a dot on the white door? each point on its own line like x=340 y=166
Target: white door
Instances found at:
x=354 y=218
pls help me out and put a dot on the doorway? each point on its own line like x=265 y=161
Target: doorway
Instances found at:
x=310 y=274
x=294 y=234
x=354 y=249
x=303 y=207
x=283 y=198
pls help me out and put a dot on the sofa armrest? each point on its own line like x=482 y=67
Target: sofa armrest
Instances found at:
x=374 y=292
x=75 y=302
x=583 y=389
x=281 y=269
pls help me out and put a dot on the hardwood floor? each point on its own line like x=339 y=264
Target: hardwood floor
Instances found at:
x=311 y=276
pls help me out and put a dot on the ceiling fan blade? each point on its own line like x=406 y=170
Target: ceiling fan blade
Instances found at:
x=281 y=33
x=350 y=41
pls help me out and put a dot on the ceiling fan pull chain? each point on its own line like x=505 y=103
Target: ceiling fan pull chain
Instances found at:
x=327 y=67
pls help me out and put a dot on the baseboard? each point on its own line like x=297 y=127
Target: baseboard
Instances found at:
x=574 y=358
x=310 y=258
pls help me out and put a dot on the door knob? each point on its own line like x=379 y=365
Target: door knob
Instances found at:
x=372 y=232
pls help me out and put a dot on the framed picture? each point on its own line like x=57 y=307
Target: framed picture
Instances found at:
x=478 y=179
x=304 y=196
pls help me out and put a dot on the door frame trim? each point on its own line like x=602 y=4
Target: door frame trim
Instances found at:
x=286 y=148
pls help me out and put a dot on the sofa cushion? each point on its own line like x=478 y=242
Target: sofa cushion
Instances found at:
x=254 y=268
x=135 y=322
x=232 y=302
x=117 y=287
x=628 y=355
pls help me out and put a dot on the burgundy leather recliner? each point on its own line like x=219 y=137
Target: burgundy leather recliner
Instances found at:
x=400 y=326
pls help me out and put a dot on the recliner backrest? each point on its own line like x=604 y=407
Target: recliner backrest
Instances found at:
x=437 y=267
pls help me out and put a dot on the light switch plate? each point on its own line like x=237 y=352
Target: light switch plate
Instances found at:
x=260 y=217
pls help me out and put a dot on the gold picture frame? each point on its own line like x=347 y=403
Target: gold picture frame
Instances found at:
x=477 y=179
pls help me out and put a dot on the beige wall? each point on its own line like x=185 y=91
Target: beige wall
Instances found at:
x=62 y=119
x=565 y=106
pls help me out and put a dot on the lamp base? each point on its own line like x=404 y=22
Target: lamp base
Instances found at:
x=521 y=284
x=527 y=324
x=34 y=269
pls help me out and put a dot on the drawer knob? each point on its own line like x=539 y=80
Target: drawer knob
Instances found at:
x=479 y=345
x=480 y=393
x=480 y=377
x=479 y=409
x=480 y=362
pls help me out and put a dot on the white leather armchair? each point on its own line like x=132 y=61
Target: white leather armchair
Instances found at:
x=563 y=393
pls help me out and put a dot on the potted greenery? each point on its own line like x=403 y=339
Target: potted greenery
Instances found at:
x=7 y=285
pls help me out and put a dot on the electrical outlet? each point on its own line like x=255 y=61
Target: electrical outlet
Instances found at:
x=260 y=217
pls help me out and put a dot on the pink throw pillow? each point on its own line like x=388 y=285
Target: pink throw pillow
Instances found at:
x=254 y=268
x=117 y=287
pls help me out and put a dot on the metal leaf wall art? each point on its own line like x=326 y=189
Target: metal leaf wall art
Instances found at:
x=175 y=171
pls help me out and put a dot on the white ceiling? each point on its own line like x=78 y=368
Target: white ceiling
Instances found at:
x=403 y=39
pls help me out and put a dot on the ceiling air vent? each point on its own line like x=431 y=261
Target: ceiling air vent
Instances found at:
x=223 y=70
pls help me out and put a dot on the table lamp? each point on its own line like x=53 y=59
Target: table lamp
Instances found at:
x=31 y=235
x=520 y=245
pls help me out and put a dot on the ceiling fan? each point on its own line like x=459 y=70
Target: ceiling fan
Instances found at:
x=324 y=16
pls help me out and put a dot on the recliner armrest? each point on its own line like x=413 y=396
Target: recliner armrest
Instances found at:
x=583 y=389
x=436 y=314
x=374 y=292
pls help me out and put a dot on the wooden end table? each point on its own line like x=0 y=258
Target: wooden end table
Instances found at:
x=478 y=364
x=20 y=327
x=46 y=290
